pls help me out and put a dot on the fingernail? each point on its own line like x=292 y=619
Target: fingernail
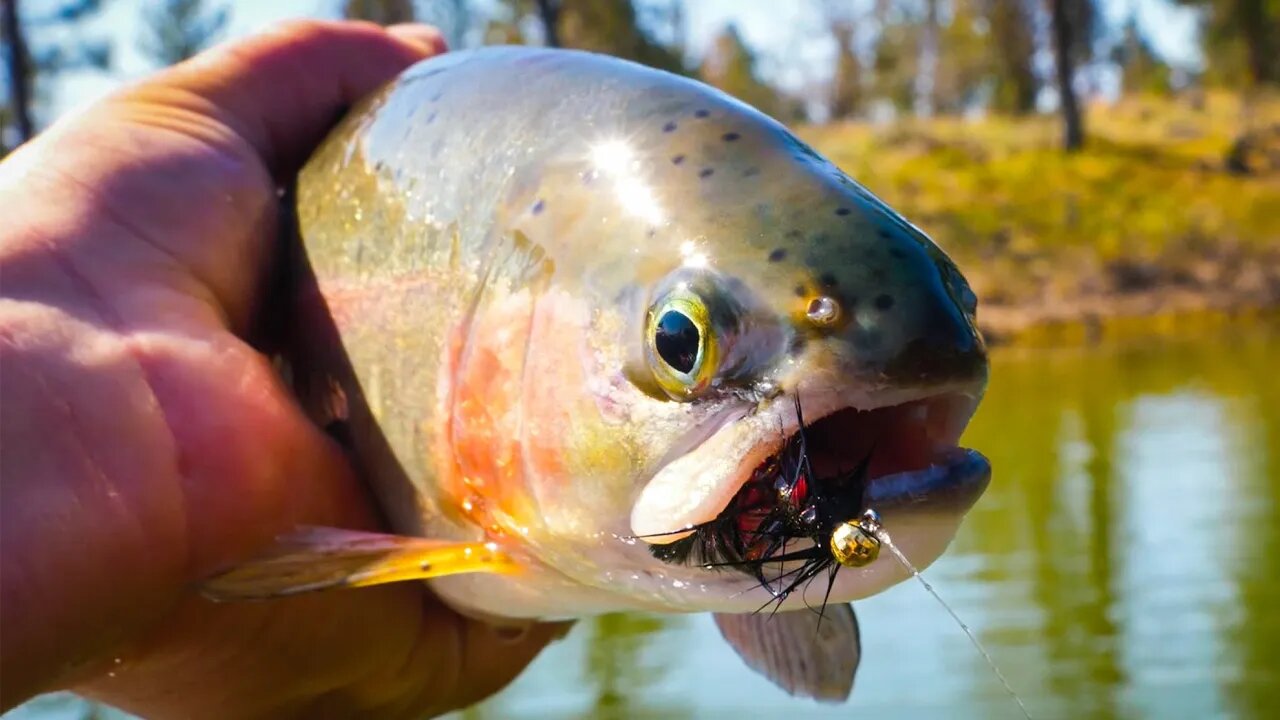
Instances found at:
x=425 y=37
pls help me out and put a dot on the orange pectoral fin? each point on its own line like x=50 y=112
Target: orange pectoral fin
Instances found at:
x=317 y=558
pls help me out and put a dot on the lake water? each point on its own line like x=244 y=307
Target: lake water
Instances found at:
x=1125 y=563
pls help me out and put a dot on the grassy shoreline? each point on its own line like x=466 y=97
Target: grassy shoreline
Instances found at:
x=1152 y=220
x=1097 y=330
x=1159 y=310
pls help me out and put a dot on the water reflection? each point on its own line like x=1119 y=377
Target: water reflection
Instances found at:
x=1124 y=563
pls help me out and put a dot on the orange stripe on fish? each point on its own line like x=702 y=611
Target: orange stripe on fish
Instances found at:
x=483 y=478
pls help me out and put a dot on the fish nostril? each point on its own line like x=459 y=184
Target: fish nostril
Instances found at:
x=823 y=310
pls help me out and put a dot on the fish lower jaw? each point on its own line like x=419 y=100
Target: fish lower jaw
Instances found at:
x=921 y=537
x=646 y=584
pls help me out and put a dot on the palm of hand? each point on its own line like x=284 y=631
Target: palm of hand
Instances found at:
x=166 y=446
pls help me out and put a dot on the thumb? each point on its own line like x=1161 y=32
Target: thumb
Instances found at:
x=281 y=90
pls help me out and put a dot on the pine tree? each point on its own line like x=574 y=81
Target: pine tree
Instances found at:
x=1013 y=42
x=1241 y=41
x=846 y=82
x=731 y=66
x=175 y=30
x=382 y=12
x=847 y=94
x=965 y=59
x=38 y=46
x=451 y=17
x=897 y=56
x=1141 y=69
x=610 y=27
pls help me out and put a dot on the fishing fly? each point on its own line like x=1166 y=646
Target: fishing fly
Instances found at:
x=784 y=502
x=782 y=505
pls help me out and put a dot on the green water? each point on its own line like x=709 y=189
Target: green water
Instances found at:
x=1123 y=564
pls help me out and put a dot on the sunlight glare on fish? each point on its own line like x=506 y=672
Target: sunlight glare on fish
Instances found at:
x=616 y=160
x=693 y=257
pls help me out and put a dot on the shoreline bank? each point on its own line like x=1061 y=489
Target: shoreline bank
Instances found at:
x=1159 y=312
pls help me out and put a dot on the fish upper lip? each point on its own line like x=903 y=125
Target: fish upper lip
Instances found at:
x=695 y=487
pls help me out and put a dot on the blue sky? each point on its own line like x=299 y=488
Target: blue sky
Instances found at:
x=785 y=33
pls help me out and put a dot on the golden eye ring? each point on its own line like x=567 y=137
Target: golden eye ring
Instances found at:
x=683 y=348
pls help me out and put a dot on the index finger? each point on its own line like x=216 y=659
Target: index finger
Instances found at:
x=280 y=91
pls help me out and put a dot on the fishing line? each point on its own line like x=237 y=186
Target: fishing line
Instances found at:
x=883 y=536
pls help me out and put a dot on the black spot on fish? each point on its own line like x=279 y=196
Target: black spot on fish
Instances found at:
x=884 y=302
x=702 y=113
x=778 y=255
x=677 y=159
x=883 y=233
x=842 y=211
x=669 y=127
x=538 y=207
x=794 y=234
x=801 y=291
x=730 y=136
x=706 y=172
x=828 y=280
x=651 y=232
x=897 y=252
x=751 y=172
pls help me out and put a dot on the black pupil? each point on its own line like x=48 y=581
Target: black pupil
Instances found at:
x=677 y=341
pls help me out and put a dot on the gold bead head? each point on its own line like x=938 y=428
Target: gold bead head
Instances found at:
x=854 y=546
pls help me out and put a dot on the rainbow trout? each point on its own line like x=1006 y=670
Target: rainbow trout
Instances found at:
x=568 y=313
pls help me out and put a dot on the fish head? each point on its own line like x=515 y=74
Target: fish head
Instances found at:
x=736 y=280
x=603 y=339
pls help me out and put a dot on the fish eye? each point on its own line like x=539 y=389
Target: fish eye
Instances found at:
x=683 y=349
x=678 y=341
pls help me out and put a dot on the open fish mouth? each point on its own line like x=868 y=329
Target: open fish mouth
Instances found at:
x=910 y=452
x=904 y=452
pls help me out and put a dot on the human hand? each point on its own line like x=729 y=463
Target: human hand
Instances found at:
x=146 y=444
